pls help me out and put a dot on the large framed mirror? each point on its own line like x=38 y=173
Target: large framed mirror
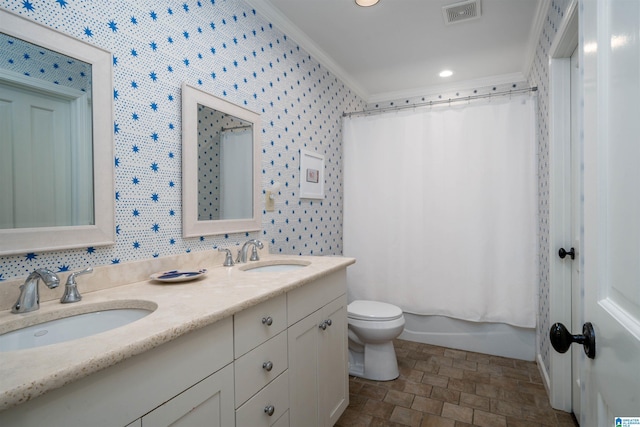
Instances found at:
x=56 y=140
x=220 y=166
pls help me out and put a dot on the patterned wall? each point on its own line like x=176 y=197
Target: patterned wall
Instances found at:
x=226 y=49
x=19 y=56
x=539 y=76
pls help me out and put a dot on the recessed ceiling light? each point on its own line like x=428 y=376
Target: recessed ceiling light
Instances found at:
x=446 y=73
x=366 y=3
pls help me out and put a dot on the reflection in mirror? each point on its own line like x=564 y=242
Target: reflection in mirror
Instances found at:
x=56 y=148
x=220 y=161
x=225 y=172
x=46 y=165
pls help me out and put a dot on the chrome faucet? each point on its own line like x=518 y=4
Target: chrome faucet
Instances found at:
x=29 y=299
x=242 y=253
x=71 y=293
x=228 y=258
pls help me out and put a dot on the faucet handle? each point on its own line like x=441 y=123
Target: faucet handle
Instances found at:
x=228 y=259
x=71 y=280
x=254 y=254
x=71 y=293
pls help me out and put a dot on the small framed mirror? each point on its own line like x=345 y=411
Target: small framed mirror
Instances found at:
x=220 y=166
x=56 y=140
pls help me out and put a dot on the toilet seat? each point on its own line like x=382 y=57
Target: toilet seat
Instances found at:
x=373 y=311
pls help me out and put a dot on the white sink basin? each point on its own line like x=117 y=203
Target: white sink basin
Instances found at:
x=70 y=328
x=274 y=267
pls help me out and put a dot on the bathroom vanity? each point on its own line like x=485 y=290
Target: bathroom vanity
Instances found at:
x=235 y=347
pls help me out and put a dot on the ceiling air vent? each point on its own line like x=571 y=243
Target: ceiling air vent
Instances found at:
x=463 y=11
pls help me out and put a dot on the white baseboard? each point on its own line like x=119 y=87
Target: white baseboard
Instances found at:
x=545 y=375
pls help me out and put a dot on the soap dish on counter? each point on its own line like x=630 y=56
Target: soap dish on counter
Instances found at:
x=175 y=276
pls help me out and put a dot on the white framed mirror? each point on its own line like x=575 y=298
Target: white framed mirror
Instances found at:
x=56 y=140
x=220 y=166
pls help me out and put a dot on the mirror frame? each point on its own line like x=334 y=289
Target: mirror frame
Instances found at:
x=102 y=232
x=191 y=227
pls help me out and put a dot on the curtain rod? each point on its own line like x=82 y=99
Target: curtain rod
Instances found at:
x=441 y=101
x=237 y=127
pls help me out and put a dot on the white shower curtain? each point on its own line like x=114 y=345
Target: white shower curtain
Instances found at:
x=440 y=210
x=236 y=185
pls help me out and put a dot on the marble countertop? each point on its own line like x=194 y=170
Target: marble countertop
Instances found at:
x=181 y=308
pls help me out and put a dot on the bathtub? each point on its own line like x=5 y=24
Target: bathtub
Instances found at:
x=497 y=339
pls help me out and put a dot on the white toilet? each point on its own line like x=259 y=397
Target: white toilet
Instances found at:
x=372 y=327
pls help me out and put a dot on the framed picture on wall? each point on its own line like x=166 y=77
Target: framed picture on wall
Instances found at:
x=311 y=175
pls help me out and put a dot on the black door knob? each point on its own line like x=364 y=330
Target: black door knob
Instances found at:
x=561 y=339
x=562 y=253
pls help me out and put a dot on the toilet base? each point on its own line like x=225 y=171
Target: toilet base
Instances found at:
x=378 y=362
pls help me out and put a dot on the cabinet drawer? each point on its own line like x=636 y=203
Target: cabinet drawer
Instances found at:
x=251 y=371
x=306 y=299
x=276 y=395
x=255 y=325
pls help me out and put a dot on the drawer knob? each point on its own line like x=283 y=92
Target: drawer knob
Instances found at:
x=269 y=410
x=267 y=321
x=324 y=324
x=267 y=366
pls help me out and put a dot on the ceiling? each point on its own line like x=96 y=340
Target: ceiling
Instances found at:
x=397 y=48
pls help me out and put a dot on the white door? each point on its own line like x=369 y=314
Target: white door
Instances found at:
x=610 y=255
x=576 y=224
x=36 y=137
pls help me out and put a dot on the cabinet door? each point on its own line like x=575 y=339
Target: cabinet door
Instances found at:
x=208 y=403
x=283 y=421
x=318 y=366
x=303 y=373
x=333 y=362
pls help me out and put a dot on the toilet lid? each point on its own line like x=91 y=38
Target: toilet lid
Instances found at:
x=373 y=310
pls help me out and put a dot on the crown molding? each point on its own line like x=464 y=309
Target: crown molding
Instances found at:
x=566 y=38
x=279 y=20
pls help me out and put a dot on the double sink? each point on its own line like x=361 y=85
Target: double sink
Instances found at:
x=64 y=325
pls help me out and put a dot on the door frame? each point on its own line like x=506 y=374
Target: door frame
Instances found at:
x=559 y=378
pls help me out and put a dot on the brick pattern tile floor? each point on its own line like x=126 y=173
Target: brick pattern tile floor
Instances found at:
x=442 y=387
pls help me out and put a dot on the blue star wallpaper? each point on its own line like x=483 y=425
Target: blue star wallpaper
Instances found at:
x=226 y=49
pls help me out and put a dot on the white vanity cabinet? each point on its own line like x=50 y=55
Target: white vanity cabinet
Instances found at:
x=187 y=377
x=280 y=363
x=291 y=360
x=318 y=354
